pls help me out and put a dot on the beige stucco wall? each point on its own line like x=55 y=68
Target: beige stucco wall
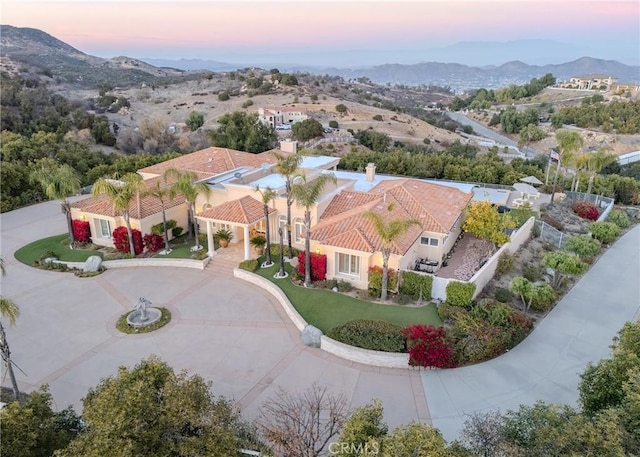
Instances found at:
x=359 y=281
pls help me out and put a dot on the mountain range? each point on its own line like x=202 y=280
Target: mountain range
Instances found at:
x=39 y=50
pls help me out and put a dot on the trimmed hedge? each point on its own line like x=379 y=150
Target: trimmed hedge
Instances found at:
x=412 y=283
x=605 y=232
x=249 y=265
x=370 y=334
x=459 y=293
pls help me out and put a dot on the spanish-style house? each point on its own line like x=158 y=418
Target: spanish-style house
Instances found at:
x=281 y=115
x=339 y=228
x=590 y=82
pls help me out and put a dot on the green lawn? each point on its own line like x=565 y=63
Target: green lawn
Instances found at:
x=32 y=252
x=181 y=248
x=326 y=309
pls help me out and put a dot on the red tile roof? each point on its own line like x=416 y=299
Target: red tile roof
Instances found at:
x=212 y=161
x=246 y=210
x=344 y=225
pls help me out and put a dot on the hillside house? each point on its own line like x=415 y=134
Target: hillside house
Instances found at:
x=590 y=82
x=282 y=115
x=339 y=228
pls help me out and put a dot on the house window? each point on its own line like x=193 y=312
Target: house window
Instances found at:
x=282 y=222
x=348 y=264
x=104 y=228
x=427 y=241
x=298 y=226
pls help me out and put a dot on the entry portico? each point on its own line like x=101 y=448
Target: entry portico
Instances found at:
x=245 y=213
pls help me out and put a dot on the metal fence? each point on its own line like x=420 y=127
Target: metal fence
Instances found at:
x=550 y=234
x=598 y=200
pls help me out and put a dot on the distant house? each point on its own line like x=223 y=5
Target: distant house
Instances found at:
x=590 y=82
x=282 y=115
x=632 y=88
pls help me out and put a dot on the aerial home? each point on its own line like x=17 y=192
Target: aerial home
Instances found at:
x=339 y=228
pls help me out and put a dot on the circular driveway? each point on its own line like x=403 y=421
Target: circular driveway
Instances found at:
x=228 y=331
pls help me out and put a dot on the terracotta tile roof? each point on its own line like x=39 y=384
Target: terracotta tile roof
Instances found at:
x=138 y=209
x=211 y=161
x=246 y=210
x=344 y=225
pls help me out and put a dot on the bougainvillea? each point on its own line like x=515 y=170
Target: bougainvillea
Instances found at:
x=429 y=347
x=121 y=240
x=153 y=242
x=318 y=266
x=586 y=210
x=81 y=231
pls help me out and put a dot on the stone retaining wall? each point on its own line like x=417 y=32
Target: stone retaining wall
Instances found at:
x=180 y=263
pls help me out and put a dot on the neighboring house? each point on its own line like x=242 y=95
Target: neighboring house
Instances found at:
x=339 y=228
x=282 y=115
x=352 y=245
x=632 y=88
x=590 y=82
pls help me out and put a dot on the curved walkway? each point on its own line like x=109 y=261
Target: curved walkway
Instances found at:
x=235 y=335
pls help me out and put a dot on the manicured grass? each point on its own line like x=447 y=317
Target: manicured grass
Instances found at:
x=181 y=249
x=32 y=252
x=326 y=309
x=124 y=327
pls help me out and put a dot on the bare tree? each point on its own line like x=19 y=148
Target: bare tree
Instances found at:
x=302 y=425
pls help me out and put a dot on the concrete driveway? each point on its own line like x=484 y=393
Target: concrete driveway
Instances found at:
x=224 y=329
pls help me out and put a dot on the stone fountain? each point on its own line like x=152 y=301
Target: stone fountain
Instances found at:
x=143 y=314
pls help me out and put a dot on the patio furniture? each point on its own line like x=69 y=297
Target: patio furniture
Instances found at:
x=427 y=266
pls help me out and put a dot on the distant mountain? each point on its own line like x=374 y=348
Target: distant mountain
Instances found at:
x=28 y=50
x=193 y=64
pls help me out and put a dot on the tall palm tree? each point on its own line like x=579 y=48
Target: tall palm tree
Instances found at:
x=121 y=193
x=569 y=143
x=597 y=161
x=267 y=196
x=287 y=166
x=160 y=193
x=388 y=231
x=305 y=194
x=58 y=182
x=187 y=184
x=10 y=311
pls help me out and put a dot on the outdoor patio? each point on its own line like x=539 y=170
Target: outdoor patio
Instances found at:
x=466 y=260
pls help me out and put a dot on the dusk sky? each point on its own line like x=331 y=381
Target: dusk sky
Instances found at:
x=329 y=32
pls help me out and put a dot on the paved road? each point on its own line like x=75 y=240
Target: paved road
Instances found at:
x=235 y=335
x=491 y=134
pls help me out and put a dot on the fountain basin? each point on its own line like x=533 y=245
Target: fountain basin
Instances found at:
x=153 y=315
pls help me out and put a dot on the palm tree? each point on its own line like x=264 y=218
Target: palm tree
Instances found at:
x=388 y=231
x=597 y=161
x=10 y=311
x=58 y=182
x=569 y=143
x=305 y=194
x=287 y=166
x=160 y=193
x=121 y=193
x=267 y=196
x=187 y=184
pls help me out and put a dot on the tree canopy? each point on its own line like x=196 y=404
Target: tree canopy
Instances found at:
x=243 y=132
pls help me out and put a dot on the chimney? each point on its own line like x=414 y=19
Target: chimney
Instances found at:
x=371 y=171
x=289 y=146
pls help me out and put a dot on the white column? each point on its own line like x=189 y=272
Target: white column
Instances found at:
x=212 y=250
x=247 y=247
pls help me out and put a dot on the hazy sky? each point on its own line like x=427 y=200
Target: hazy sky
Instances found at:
x=326 y=32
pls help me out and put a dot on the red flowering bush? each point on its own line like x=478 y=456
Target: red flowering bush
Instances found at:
x=375 y=280
x=318 y=266
x=586 y=210
x=81 y=231
x=121 y=240
x=429 y=346
x=153 y=242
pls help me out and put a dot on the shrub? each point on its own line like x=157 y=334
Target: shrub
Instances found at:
x=543 y=297
x=370 y=334
x=429 y=347
x=341 y=108
x=153 y=242
x=505 y=264
x=585 y=210
x=619 y=218
x=375 y=280
x=158 y=229
x=459 y=293
x=247 y=103
x=414 y=284
x=249 y=265
x=81 y=231
x=532 y=272
x=200 y=255
x=344 y=286
x=377 y=117
x=223 y=96
x=333 y=124
x=318 y=265
x=121 y=240
x=583 y=245
x=176 y=231
x=503 y=295
x=275 y=250
x=604 y=231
